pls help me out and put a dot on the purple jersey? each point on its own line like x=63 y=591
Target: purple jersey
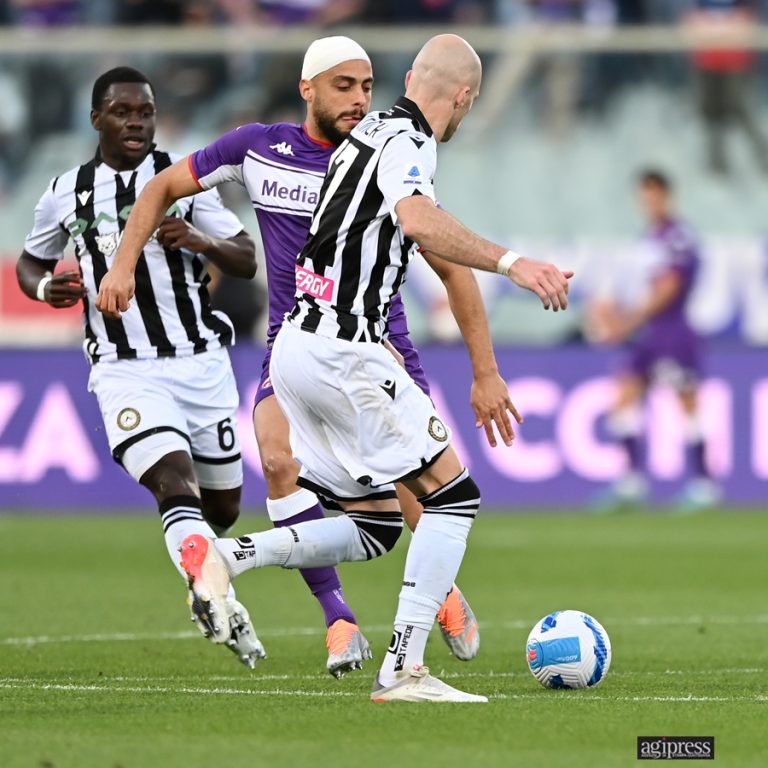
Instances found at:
x=282 y=168
x=667 y=342
x=677 y=252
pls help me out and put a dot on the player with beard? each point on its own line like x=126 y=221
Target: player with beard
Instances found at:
x=283 y=166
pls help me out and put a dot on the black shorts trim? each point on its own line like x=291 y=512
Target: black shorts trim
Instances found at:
x=119 y=450
x=332 y=497
x=217 y=460
x=425 y=465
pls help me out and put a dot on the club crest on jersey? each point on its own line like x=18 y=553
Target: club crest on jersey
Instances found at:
x=412 y=175
x=107 y=244
x=315 y=285
x=437 y=430
x=283 y=148
x=128 y=419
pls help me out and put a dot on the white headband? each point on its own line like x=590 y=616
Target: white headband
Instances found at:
x=328 y=52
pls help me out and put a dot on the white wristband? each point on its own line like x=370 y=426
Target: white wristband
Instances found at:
x=506 y=261
x=41 y=286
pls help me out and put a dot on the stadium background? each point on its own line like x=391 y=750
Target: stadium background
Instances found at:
x=99 y=665
x=577 y=97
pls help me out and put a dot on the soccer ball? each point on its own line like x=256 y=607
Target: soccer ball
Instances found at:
x=568 y=649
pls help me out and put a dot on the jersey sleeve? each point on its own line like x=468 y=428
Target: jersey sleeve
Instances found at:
x=406 y=168
x=210 y=215
x=222 y=160
x=682 y=253
x=48 y=239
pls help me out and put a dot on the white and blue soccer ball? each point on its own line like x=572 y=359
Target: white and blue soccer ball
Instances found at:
x=568 y=649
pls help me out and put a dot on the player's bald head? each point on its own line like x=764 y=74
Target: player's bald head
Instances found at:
x=446 y=63
x=444 y=82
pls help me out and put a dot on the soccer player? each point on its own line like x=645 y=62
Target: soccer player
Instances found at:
x=161 y=373
x=662 y=346
x=283 y=166
x=358 y=422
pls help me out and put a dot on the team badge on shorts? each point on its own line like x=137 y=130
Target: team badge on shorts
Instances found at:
x=437 y=429
x=128 y=419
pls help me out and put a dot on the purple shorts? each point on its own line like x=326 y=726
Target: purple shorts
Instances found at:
x=401 y=342
x=673 y=359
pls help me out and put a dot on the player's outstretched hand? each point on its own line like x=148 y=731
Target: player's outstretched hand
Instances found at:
x=548 y=282
x=178 y=233
x=65 y=289
x=115 y=293
x=492 y=405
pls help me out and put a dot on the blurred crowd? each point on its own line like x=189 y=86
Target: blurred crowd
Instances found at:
x=329 y=12
x=40 y=97
x=566 y=96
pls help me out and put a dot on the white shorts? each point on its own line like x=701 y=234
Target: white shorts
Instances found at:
x=358 y=422
x=154 y=407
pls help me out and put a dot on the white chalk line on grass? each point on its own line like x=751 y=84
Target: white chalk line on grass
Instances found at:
x=575 y=697
x=640 y=621
x=20 y=684
x=442 y=673
x=77 y=687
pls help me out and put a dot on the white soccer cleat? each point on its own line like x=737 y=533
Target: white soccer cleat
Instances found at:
x=208 y=587
x=242 y=636
x=629 y=491
x=701 y=493
x=458 y=626
x=347 y=648
x=418 y=685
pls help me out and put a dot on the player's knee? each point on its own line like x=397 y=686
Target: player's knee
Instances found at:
x=378 y=532
x=470 y=489
x=172 y=475
x=460 y=498
x=280 y=472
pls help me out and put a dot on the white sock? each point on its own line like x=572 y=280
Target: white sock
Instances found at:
x=434 y=556
x=406 y=649
x=283 y=509
x=314 y=544
x=625 y=422
x=182 y=516
x=694 y=431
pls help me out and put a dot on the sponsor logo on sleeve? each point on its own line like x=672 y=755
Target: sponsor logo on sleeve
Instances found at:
x=413 y=175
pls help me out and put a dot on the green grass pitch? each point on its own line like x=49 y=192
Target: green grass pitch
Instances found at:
x=101 y=668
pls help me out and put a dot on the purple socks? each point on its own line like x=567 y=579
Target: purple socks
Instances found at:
x=324 y=583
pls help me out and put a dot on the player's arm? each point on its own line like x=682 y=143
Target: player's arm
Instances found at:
x=440 y=233
x=43 y=249
x=118 y=285
x=36 y=280
x=490 y=395
x=234 y=256
x=666 y=289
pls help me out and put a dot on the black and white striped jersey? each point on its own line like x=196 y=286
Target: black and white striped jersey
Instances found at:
x=170 y=314
x=355 y=258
